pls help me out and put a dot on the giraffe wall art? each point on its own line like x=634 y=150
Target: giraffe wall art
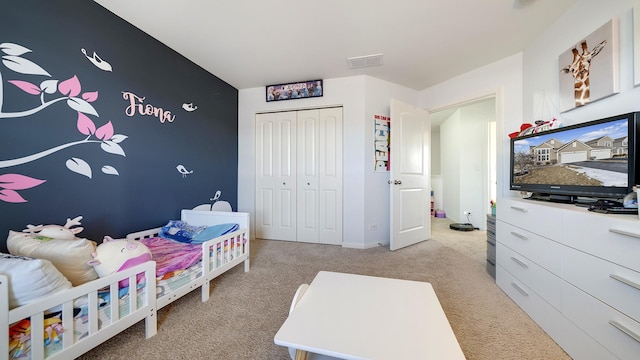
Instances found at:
x=589 y=70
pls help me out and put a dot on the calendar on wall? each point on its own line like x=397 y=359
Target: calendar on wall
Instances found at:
x=381 y=143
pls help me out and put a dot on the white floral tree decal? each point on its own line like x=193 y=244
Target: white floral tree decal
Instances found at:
x=68 y=90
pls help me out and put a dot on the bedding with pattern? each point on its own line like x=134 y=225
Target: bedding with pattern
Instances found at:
x=20 y=332
x=178 y=261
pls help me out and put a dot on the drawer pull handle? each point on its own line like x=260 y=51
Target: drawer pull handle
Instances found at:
x=519 y=209
x=518 y=235
x=519 y=262
x=625 y=330
x=631 y=283
x=627 y=233
x=520 y=290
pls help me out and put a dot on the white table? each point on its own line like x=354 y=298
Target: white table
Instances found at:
x=364 y=317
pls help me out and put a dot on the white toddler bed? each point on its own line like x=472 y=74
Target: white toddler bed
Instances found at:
x=101 y=319
x=86 y=314
x=218 y=255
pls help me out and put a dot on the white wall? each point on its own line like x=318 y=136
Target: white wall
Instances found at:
x=541 y=68
x=450 y=161
x=503 y=79
x=364 y=200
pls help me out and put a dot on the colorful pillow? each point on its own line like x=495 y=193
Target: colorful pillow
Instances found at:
x=180 y=231
x=69 y=256
x=213 y=232
x=30 y=279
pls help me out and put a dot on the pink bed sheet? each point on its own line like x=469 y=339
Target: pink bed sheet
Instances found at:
x=171 y=256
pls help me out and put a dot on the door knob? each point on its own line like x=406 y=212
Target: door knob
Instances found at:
x=389 y=182
x=397 y=182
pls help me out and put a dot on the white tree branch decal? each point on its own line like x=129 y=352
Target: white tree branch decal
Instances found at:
x=69 y=90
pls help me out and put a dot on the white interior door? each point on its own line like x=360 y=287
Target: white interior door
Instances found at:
x=276 y=176
x=307 y=176
x=299 y=176
x=330 y=176
x=409 y=175
x=319 y=182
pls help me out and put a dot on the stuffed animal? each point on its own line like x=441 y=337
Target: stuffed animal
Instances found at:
x=56 y=231
x=115 y=255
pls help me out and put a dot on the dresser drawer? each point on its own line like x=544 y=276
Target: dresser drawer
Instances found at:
x=615 y=331
x=541 y=219
x=542 y=282
x=611 y=283
x=491 y=252
x=571 y=338
x=611 y=237
x=541 y=250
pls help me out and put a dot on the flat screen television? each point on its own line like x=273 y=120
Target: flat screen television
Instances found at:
x=585 y=162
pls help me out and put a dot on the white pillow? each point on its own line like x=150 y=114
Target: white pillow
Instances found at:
x=30 y=279
x=70 y=256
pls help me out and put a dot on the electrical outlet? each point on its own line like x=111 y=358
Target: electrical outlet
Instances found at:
x=373 y=227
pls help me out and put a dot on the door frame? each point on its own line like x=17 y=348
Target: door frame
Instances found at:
x=497 y=94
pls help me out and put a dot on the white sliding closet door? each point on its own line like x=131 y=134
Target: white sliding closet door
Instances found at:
x=276 y=176
x=316 y=155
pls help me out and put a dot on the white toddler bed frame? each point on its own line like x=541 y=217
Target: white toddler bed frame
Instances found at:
x=97 y=334
x=212 y=265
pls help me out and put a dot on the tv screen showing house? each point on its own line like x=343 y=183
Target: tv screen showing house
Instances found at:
x=590 y=155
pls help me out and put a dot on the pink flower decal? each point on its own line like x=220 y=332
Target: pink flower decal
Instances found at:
x=90 y=96
x=11 y=196
x=18 y=182
x=9 y=183
x=70 y=87
x=105 y=132
x=27 y=87
x=85 y=125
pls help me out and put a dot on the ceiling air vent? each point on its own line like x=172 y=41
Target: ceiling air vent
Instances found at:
x=364 y=61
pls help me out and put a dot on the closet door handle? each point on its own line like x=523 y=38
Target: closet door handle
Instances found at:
x=626 y=233
x=625 y=330
x=625 y=281
x=516 y=208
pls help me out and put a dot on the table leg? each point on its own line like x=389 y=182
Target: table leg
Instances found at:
x=301 y=355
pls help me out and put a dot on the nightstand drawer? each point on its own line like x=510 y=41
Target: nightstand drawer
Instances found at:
x=615 y=331
x=613 y=284
x=541 y=219
x=611 y=237
x=543 y=251
x=542 y=282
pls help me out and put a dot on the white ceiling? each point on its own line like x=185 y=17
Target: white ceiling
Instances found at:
x=253 y=43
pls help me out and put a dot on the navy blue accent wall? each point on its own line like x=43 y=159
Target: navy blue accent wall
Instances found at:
x=61 y=135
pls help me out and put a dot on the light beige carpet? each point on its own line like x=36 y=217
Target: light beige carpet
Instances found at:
x=246 y=309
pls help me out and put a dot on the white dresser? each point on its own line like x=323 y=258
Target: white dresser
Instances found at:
x=575 y=273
